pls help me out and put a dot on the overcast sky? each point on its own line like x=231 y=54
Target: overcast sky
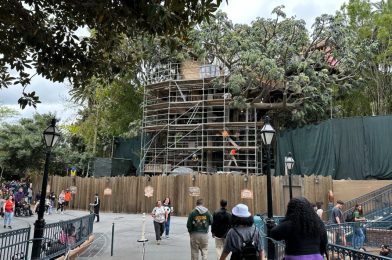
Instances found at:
x=54 y=95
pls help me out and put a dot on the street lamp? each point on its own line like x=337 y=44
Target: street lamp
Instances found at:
x=267 y=134
x=289 y=161
x=51 y=136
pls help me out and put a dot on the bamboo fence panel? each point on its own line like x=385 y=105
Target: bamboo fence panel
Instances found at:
x=128 y=193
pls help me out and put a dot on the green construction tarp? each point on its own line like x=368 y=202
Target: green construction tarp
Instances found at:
x=348 y=148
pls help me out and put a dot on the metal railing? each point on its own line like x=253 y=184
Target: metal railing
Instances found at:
x=375 y=233
x=278 y=245
x=340 y=238
x=372 y=207
x=342 y=252
x=66 y=235
x=59 y=238
x=15 y=244
x=175 y=71
x=349 y=205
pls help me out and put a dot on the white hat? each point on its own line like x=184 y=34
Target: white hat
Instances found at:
x=241 y=210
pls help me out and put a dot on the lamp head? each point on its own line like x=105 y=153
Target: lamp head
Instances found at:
x=51 y=134
x=267 y=132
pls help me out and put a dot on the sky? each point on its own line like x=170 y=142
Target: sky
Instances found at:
x=54 y=96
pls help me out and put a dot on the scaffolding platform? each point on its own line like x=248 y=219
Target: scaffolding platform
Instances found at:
x=189 y=121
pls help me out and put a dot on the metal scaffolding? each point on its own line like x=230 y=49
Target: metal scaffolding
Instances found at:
x=188 y=122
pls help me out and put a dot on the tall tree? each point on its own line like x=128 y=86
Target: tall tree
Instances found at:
x=372 y=22
x=22 y=149
x=275 y=65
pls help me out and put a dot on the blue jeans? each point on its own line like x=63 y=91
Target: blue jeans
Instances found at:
x=358 y=238
x=8 y=218
x=167 y=227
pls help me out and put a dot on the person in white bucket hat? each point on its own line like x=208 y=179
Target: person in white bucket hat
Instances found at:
x=242 y=233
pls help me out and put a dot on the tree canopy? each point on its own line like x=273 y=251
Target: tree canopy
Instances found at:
x=41 y=37
x=277 y=66
x=22 y=149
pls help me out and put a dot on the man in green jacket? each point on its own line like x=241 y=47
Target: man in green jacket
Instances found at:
x=198 y=224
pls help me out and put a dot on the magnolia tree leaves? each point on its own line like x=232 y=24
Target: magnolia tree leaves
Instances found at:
x=278 y=66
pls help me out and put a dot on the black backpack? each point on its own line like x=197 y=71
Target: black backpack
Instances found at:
x=248 y=249
x=350 y=216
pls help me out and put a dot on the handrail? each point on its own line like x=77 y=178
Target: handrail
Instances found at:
x=341 y=252
x=15 y=243
x=359 y=200
x=381 y=201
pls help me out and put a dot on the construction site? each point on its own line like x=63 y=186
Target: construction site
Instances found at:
x=189 y=124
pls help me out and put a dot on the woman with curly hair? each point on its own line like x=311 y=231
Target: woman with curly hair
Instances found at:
x=303 y=232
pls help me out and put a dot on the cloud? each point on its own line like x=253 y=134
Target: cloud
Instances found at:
x=54 y=98
x=240 y=11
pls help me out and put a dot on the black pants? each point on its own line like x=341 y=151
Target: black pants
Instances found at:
x=158 y=230
x=60 y=206
x=96 y=212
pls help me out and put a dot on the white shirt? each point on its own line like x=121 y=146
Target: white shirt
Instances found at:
x=320 y=212
x=159 y=214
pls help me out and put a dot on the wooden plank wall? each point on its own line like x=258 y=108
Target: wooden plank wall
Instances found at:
x=128 y=192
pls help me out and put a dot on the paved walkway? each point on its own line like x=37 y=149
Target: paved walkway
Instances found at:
x=127 y=230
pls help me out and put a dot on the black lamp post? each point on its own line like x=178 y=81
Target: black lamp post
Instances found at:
x=267 y=134
x=51 y=135
x=289 y=161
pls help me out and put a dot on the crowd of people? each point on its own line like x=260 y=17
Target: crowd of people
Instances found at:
x=16 y=199
x=236 y=233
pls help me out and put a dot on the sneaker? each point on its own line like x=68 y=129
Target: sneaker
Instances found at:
x=9 y=227
x=5 y=226
x=158 y=242
x=167 y=237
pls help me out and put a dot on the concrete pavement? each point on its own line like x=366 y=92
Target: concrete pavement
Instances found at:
x=127 y=230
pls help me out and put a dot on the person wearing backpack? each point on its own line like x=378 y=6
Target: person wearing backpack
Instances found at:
x=243 y=239
x=198 y=224
x=303 y=231
x=220 y=227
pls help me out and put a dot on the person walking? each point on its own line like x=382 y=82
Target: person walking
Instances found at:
x=60 y=202
x=8 y=209
x=97 y=204
x=52 y=198
x=29 y=195
x=359 y=236
x=198 y=224
x=243 y=233
x=337 y=218
x=169 y=210
x=67 y=198
x=159 y=215
x=220 y=226
x=303 y=231
x=319 y=211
